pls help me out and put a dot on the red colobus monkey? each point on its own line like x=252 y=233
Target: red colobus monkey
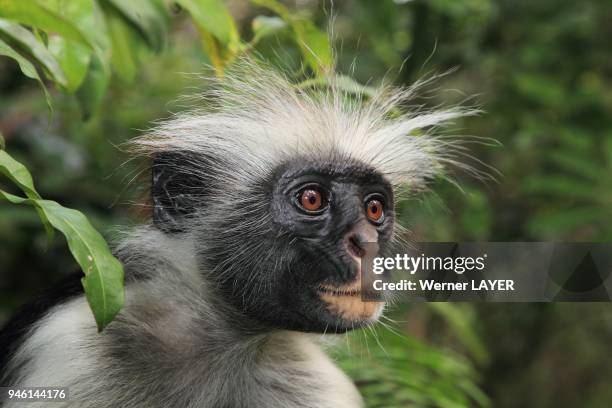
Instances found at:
x=263 y=201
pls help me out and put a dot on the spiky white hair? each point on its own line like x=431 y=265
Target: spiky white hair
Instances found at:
x=255 y=119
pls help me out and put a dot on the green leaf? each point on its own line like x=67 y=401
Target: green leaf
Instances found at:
x=147 y=16
x=31 y=45
x=315 y=46
x=342 y=82
x=26 y=67
x=19 y=174
x=93 y=24
x=123 y=47
x=33 y=14
x=72 y=56
x=103 y=281
x=88 y=17
x=314 y=43
x=275 y=6
x=218 y=33
x=212 y=49
x=213 y=16
x=2 y=142
x=92 y=92
x=265 y=26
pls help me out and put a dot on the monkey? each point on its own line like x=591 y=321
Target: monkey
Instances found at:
x=265 y=198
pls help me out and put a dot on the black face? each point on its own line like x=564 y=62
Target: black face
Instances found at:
x=288 y=254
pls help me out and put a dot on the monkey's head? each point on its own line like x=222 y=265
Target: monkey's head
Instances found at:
x=283 y=191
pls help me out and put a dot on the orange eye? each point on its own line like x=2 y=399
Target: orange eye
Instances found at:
x=374 y=211
x=311 y=200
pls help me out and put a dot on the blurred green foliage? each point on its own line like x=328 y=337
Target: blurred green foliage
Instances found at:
x=541 y=71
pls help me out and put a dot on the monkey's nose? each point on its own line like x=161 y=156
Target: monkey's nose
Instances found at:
x=362 y=240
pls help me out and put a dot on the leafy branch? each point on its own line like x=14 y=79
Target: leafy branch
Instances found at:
x=103 y=281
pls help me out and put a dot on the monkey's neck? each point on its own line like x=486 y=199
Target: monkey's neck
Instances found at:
x=210 y=356
x=217 y=362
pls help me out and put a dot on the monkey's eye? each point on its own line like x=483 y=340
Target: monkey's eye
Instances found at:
x=312 y=199
x=375 y=209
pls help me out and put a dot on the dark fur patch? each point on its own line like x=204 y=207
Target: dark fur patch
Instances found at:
x=178 y=187
x=13 y=332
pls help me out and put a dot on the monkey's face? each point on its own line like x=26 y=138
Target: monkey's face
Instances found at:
x=298 y=262
x=335 y=215
x=283 y=248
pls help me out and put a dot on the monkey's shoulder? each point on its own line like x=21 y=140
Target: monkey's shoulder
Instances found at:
x=14 y=331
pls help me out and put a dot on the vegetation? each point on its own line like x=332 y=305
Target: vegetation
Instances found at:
x=541 y=71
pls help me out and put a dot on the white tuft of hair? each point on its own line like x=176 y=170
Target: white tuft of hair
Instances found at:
x=255 y=118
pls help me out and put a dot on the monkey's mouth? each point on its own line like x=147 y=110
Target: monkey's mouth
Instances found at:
x=338 y=291
x=345 y=301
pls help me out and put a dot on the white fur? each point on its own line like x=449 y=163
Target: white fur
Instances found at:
x=169 y=314
x=256 y=118
x=53 y=350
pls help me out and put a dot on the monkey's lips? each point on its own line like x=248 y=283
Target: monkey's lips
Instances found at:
x=346 y=302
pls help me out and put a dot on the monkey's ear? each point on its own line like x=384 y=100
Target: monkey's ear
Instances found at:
x=174 y=190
